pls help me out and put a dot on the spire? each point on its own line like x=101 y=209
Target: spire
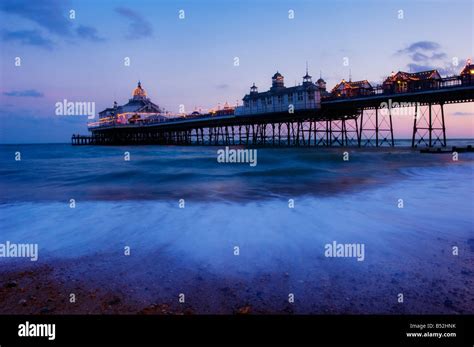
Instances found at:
x=307 y=77
x=350 y=75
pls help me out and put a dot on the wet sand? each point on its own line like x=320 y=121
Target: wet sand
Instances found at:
x=102 y=287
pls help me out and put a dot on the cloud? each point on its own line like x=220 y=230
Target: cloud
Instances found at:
x=222 y=86
x=423 y=51
x=50 y=17
x=420 y=45
x=417 y=56
x=138 y=27
x=48 y=14
x=25 y=93
x=444 y=71
x=439 y=55
x=88 y=33
x=427 y=55
x=28 y=37
x=463 y=113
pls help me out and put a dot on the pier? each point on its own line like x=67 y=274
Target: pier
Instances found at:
x=350 y=115
x=85 y=140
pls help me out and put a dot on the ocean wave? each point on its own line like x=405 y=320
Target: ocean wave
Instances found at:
x=60 y=172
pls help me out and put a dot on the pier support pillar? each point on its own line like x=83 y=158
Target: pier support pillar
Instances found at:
x=429 y=128
x=337 y=132
x=376 y=127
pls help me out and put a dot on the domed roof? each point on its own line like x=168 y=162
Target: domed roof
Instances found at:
x=320 y=80
x=139 y=92
x=277 y=75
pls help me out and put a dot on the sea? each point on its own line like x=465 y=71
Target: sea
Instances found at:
x=173 y=219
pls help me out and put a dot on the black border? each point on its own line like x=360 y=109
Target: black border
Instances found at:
x=248 y=329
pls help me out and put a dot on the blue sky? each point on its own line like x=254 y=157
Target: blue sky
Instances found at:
x=190 y=61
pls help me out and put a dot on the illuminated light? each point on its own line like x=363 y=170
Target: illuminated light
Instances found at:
x=472 y=72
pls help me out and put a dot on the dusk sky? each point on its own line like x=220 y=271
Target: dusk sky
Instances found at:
x=190 y=61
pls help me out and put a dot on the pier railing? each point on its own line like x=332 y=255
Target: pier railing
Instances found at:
x=444 y=83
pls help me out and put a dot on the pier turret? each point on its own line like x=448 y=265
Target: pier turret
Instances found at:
x=253 y=89
x=278 y=81
x=307 y=79
x=321 y=84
